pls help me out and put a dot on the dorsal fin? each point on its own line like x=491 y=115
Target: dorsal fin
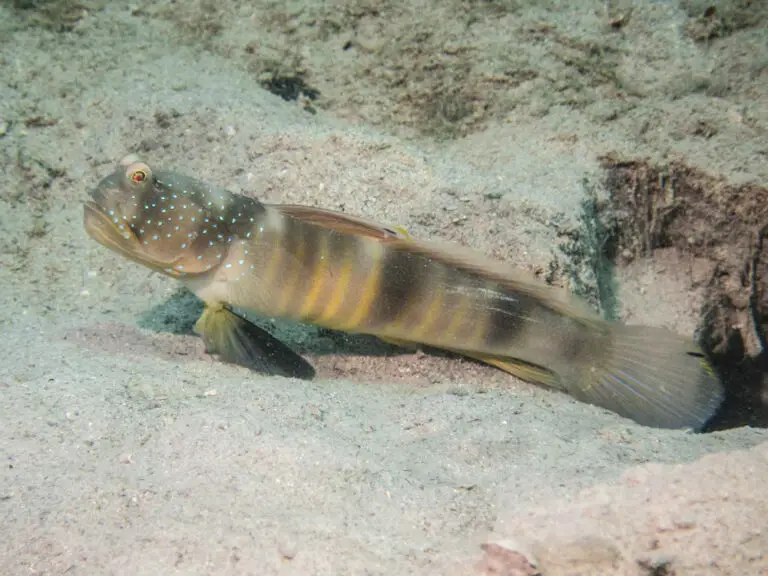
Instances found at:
x=343 y=223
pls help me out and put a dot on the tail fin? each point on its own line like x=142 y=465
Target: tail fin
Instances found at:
x=652 y=376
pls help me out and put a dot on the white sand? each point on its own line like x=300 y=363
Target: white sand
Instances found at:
x=128 y=451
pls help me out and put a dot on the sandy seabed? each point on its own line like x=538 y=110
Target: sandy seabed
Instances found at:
x=127 y=450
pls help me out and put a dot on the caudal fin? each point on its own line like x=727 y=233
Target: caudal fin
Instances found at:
x=652 y=376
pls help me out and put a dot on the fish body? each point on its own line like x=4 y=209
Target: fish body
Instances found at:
x=391 y=287
x=346 y=273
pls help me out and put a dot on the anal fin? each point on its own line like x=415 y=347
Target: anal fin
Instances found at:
x=520 y=369
x=236 y=340
x=399 y=342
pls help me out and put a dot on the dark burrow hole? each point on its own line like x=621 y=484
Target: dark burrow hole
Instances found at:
x=290 y=87
x=703 y=217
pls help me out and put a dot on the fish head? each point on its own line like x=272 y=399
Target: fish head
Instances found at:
x=168 y=222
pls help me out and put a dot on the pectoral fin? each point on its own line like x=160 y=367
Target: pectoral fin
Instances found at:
x=236 y=340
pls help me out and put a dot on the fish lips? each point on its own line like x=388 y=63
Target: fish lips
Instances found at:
x=101 y=227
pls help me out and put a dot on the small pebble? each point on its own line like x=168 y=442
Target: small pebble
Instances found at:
x=451 y=48
x=287 y=546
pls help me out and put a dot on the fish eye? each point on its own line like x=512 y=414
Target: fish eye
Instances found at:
x=138 y=173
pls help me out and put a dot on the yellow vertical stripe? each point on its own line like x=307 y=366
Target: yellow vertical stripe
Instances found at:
x=431 y=316
x=451 y=332
x=369 y=292
x=289 y=286
x=317 y=281
x=337 y=298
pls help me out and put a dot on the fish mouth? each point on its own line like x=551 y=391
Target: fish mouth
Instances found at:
x=102 y=228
